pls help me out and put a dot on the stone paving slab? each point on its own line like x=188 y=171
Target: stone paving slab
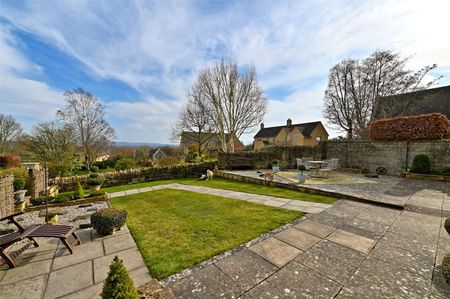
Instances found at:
x=264 y=290
x=297 y=238
x=207 y=283
x=29 y=288
x=315 y=228
x=352 y=241
x=246 y=268
x=275 y=251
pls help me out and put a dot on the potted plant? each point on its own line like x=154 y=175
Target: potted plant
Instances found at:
x=275 y=166
x=95 y=182
x=19 y=194
x=301 y=177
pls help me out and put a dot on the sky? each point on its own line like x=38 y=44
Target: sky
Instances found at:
x=139 y=58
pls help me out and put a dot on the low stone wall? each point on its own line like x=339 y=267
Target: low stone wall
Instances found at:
x=286 y=155
x=6 y=196
x=395 y=156
x=143 y=174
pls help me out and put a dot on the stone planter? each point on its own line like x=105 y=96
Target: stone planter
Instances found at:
x=19 y=195
x=275 y=169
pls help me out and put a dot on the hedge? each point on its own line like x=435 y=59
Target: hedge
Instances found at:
x=422 y=127
x=9 y=160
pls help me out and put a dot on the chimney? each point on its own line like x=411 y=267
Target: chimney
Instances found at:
x=289 y=122
x=262 y=126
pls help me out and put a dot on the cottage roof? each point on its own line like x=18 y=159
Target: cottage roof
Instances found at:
x=305 y=129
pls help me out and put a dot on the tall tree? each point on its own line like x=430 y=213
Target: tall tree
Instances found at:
x=86 y=115
x=10 y=132
x=232 y=99
x=54 y=143
x=194 y=124
x=354 y=86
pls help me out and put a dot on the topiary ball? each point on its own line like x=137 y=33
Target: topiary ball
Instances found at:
x=106 y=221
x=447 y=225
x=446 y=268
x=421 y=164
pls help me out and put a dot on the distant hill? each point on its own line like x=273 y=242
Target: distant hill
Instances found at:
x=138 y=144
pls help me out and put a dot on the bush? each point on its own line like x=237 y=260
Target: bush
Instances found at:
x=118 y=284
x=94 y=175
x=18 y=184
x=94 y=168
x=78 y=192
x=447 y=225
x=446 y=171
x=423 y=127
x=9 y=160
x=97 y=193
x=421 y=164
x=275 y=162
x=124 y=163
x=446 y=268
x=40 y=200
x=168 y=161
x=105 y=221
x=301 y=168
x=62 y=198
x=95 y=181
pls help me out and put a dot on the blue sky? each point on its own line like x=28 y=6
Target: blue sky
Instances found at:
x=140 y=57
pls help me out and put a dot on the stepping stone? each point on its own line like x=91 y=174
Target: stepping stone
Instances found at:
x=85 y=205
x=275 y=251
x=81 y=217
x=92 y=210
x=352 y=241
x=297 y=238
x=315 y=228
x=52 y=212
x=246 y=268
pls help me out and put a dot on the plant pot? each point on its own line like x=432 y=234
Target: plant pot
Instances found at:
x=301 y=178
x=275 y=169
x=95 y=188
x=19 y=195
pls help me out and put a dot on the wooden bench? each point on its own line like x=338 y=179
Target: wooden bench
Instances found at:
x=63 y=232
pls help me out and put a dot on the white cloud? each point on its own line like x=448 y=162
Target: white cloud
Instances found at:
x=159 y=46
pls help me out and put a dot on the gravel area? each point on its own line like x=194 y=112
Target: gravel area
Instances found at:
x=72 y=215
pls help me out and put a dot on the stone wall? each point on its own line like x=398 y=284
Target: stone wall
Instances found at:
x=143 y=174
x=259 y=160
x=395 y=156
x=6 y=196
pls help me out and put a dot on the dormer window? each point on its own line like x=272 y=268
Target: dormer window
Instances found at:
x=318 y=138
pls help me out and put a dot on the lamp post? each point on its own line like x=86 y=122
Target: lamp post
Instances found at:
x=46 y=191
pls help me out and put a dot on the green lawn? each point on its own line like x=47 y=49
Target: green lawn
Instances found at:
x=176 y=229
x=234 y=186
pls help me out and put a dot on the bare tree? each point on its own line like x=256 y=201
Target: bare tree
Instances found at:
x=232 y=98
x=194 y=125
x=10 y=132
x=354 y=86
x=54 y=143
x=86 y=115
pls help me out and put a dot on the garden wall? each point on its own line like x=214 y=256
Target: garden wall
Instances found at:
x=132 y=175
x=395 y=156
x=6 y=196
x=260 y=160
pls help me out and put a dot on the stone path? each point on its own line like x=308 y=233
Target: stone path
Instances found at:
x=297 y=205
x=49 y=271
x=351 y=250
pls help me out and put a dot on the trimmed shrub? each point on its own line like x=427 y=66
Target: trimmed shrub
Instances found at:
x=301 y=168
x=275 y=162
x=118 y=284
x=423 y=127
x=40 y=200
x=62 y=198
x=95 y=181
x=18 y=184
x=9 y=160
x=446 y=268
x=78 y=192
x=447 y=225
x=421 y=164
x=94 y=168
x=106 y=221
x=97 y=193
